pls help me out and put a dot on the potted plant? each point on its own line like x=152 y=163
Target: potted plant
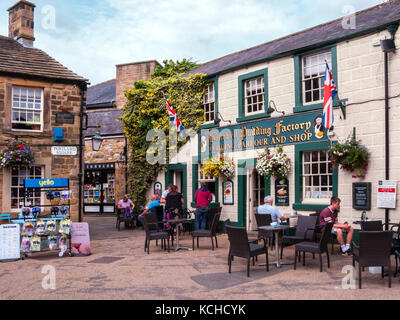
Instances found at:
x=17 y=153
x=227 y=168
x=276 y=164
x=350 y=156
x=218 y=167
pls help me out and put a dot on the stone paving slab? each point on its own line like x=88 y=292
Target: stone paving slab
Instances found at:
x=124 y=271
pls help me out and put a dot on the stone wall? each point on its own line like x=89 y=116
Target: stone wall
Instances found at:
x=57 y=98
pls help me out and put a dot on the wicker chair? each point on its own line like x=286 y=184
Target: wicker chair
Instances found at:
x=314 y=247
x=374 y=249
x=240 y=247
x=305 y=231
x=264 y=220
x=153 y=233
x=372 y=225
x=208 y=233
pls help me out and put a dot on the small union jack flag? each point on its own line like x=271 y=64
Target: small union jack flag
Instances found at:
x=330 y=92
x=172 y=115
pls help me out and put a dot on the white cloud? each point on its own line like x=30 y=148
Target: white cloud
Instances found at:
x=92 y=37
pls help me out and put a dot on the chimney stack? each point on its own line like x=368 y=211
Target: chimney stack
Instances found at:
x=21 y=22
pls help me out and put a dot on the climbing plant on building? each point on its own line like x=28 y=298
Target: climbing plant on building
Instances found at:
x=146 y=110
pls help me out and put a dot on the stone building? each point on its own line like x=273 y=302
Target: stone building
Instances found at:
x=257 y=92
x=105 y=179
x=34 y=89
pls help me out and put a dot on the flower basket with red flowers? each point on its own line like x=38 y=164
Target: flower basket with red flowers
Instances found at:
x=17 y=153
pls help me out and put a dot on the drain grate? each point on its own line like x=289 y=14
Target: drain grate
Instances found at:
x=106 y=260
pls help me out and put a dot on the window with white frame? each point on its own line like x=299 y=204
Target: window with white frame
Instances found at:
x=314 y=67
x=254 y=95
x=27 y=109
x=317 y=177
x=209 y=103
x=18 y=175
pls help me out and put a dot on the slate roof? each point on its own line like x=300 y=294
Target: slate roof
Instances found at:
x=21 y=61
x=102 y=94
x=367 y=21
x=107 y=120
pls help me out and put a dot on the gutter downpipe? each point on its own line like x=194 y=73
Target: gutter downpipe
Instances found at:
x=83 y=87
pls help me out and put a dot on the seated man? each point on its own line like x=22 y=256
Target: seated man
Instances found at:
x=329 y=215
x=267 y=208
x=153 y=203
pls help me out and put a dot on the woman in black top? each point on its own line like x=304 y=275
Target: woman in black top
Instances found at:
x=174 y=199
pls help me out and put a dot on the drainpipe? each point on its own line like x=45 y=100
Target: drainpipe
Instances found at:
x=387 y=46
x=126 y=165
x=83 y=87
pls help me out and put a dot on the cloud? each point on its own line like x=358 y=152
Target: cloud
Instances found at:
x=91 y=37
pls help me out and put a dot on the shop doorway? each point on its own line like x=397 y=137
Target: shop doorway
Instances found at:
x=99 y=189
x=256 y=193
x=178 y=180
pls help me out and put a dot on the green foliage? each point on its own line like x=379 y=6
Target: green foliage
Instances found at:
x=146 y=110
x=350 y=156
x=172 y=68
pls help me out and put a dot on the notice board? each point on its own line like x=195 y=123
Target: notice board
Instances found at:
x=9 y=242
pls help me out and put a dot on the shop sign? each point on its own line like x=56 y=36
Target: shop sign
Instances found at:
x=46 y=183
x=294 y=129
x=9 y=242
x=100 y=166
x=362 y=195
x=387 y=191
x=64 y=151
x=65 y=117
x=282 y=192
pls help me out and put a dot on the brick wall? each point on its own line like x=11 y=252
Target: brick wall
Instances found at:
x=57 y=98
x=128 y=74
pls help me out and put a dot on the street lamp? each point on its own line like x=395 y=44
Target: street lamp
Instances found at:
x=97 y=140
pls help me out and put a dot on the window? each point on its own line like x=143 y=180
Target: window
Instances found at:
x=254 y=95
x=205 y=178
x=317 y=176
x=27 y=109
x=18 y=175
x=314 y=67
x=209 y=103
x=258 y=189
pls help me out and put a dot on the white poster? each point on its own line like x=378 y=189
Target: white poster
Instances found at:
x=387 y=191
x=9 y=242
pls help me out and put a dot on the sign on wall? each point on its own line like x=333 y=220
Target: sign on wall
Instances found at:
x=46 y=183
x=362 y=195
x=9 y=242
x=227 y=187
x=64 y=151
x=65 y=117
x=294 y=129
x=282 y=192
x=387 y=191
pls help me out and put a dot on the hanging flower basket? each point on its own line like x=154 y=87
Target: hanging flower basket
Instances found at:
x=276 y=164
x=350 y=156
x=17 y=153
x=218 y=167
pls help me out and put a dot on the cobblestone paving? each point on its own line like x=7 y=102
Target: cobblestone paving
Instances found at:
x=120 y=269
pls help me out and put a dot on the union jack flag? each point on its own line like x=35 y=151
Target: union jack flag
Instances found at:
x=172 y=115
x=330 y=92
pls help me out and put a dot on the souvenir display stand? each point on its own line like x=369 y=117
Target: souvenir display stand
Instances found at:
x=47 y=234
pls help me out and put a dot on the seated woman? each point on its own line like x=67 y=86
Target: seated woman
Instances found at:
x=174 y=202
x=127 y=205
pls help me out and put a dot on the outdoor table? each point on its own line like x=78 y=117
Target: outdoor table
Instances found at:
x=178 y=222
x=276 y=230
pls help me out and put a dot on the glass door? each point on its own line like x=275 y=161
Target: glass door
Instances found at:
x=256 y=195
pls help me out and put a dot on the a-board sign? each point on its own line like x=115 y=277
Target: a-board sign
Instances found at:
x=362 y=195
x=281 y=192
x=80 y=239
x=65 y=117
x=9 y=242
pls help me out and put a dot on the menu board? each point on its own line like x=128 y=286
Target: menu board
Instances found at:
x=80 y=239
x=387 y=191
x=362 y=195
x=9 y=242
x=281 y=192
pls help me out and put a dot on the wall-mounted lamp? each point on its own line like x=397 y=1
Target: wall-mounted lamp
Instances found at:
x=388 y=45
x=97 y=140
x=272 y=108
x=218 y=120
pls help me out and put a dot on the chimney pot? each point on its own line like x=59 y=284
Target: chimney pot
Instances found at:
x=21 y=22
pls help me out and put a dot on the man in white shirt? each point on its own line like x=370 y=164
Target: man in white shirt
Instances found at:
x=267 y=208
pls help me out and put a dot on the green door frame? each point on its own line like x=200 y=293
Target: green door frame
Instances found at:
x=242 y=189
x=169 y=177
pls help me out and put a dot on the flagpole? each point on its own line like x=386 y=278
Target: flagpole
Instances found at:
x=341 y=104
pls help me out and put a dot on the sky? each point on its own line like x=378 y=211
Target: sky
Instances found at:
x=90 y=37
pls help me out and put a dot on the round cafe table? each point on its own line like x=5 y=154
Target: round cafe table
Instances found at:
x=178 y=222
x=276 y=230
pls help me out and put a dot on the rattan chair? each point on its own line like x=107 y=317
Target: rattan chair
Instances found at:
x=374 y=249
x=153 y=233
x=240 y=247
x=315 y=247
x=208 y=233
x=305 y=231
x=264 y=220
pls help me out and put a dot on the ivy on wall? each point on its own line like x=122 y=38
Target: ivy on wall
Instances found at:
x=146 y=110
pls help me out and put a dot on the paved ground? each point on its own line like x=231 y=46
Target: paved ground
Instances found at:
x=119 y=269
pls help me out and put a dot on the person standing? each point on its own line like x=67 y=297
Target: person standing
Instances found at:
x=329 y=215
x=127 y=205
x=203 y=197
